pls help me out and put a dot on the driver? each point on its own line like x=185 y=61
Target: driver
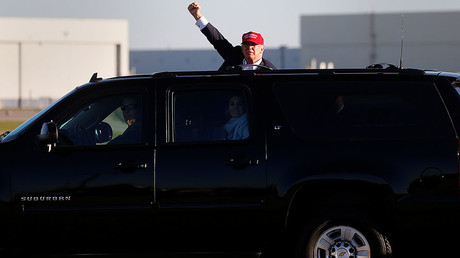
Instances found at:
x=132 y=116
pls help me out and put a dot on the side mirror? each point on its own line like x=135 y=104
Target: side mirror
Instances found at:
x=103 y=132
x=48 y=134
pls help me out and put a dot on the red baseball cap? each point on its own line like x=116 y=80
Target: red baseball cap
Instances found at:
x=253 y=37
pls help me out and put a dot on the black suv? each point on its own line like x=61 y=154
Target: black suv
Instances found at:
x=307 y=163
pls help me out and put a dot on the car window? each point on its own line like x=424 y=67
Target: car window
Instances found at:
x=106 y=121
x=363 y=109
x=457 y=88
x=209 y=115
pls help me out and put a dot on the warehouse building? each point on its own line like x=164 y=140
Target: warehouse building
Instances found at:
x=49 y=57
x=431 y=40
x=149 y=61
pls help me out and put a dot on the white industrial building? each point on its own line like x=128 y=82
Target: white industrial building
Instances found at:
x=46 y=58
x=431 y=40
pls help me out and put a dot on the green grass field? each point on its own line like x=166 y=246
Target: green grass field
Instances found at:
x=9 y=125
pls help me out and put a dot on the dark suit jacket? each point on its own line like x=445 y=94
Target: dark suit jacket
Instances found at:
x=232 y=55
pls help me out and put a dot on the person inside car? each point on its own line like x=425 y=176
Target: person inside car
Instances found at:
x=132 y=115
x=236 y=127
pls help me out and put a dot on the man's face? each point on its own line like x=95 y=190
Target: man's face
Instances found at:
x=252 y=52
x=129 y=108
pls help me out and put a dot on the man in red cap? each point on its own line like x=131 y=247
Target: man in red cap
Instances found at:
x=249 y=53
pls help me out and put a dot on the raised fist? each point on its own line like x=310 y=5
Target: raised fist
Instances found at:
x=195 y=10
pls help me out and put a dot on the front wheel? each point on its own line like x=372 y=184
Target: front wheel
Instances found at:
x=343 y=240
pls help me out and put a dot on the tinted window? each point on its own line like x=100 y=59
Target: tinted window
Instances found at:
x=110 y=120
x=208 y=115
x=456 y=85
x=363 y=109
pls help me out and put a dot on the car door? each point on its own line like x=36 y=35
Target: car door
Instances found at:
x=211 y=175
x=97 y=182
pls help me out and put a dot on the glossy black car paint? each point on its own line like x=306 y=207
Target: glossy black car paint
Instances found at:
x=187 y=197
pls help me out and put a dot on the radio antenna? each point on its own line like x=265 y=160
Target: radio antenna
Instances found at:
x=402 y=42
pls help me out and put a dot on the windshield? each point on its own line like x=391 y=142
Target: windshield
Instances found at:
x=10 y=136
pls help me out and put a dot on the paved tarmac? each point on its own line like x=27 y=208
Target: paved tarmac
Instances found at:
x=17 y=115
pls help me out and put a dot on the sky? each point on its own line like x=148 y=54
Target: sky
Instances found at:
x=167 y=25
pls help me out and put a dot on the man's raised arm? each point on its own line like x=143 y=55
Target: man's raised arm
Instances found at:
x=223 y=47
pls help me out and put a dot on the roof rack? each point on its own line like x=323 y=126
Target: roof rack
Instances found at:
x=374 y=69
x=383 y=66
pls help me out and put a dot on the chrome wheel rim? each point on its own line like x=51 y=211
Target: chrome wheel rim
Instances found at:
x=342 y=242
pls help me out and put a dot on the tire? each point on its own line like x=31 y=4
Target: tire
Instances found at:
x=342 y=239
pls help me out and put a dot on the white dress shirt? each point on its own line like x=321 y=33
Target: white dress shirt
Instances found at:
x=202 y=23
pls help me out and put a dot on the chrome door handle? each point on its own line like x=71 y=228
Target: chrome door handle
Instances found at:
x=130 y=166
x=240 y=162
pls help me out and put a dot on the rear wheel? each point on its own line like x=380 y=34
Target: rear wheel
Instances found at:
x=343 y=240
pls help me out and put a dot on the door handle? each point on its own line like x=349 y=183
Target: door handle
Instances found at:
x=130 y=166
x=240 y=162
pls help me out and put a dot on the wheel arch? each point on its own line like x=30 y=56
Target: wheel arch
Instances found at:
x=343 y=193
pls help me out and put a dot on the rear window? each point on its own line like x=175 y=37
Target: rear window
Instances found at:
x=363 y=109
